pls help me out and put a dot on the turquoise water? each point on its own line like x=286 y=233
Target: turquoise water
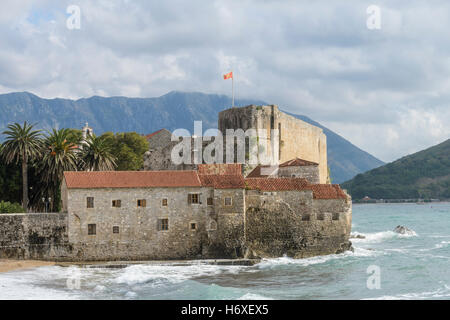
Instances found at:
x=411 y=267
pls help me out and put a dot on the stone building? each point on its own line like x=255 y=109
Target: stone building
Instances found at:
x=296 y=139
x=212 y=212
x=289 y=169
x=196 y=211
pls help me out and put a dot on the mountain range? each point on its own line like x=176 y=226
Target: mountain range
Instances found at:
x=422 y=175
x=171 y=111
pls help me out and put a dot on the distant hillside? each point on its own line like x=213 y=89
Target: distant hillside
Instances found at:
x=425 y=174
x=171 y=111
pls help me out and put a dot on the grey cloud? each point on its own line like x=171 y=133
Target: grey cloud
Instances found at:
x=385 y=90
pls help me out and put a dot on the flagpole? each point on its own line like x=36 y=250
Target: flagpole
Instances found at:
x=232 y=91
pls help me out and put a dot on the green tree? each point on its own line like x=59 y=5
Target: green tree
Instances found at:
x=97 y=154
x=60 y=154
x=22 y=145
x=128 y=148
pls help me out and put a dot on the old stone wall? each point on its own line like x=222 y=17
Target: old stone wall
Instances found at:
x=295 y=224
x=40 y=236
x=310 y=173
x=296 y=137
x=137 y=227
x=228 y=238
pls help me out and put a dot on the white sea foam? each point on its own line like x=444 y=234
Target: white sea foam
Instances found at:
x=160 y=274
x=274 y=262
x=443 y=244
x=381 y=236
x=27 y=284
x=443 y=292
x=253 y=296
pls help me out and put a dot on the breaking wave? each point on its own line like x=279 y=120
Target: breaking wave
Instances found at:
x=274 y=262
x=160 y=274
x=377 y=237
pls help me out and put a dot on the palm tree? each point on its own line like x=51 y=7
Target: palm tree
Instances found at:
x=60 y=154
x=22 y=144
x=96 y=154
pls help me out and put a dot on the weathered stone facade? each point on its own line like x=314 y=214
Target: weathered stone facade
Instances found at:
x=210 y=213
x=34 y=236
x=297 y=139
x=296 y=224
x=296 y=168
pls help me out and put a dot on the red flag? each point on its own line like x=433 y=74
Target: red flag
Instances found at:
x=228 y=75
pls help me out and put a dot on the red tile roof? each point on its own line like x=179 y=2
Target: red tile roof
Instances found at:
x=173 y=179
x=276 y=184
x=222 y=181
x=131 y=179
x=320 y=191
x=297 y=162
x=222 y=169
x=327 y=191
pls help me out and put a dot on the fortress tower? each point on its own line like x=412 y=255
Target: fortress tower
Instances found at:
x=297 y=139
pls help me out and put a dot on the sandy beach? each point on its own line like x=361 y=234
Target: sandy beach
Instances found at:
x=10 y=265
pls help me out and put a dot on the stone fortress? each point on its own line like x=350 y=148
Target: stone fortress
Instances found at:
x=204 y=211
x=297 y=139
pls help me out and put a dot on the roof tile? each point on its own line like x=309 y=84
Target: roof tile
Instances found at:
x=131 y=179
x=297 y=162
x=222 y=181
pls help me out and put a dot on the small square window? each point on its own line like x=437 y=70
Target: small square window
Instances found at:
x=209 y=201
x=164 y=202
x=92 y=229
x=335 y=215
x=115 y=229
x=163 y=224
x=228 y=201
x=116 y=203
x=305 y=217
x=193 y=226
x=142 y=203
x=193 y=198
x=320 y=216
x=89 y=202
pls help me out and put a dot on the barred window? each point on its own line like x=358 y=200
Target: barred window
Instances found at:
x=335 y=215
x=320 y=216
x=115 y=229
x=163 y=224
x=92 y=229
x=116 y=203
x=164 y=202
x=89 y=202
x=193 y=198
x=305 y=217
x=142 y=203
x=209 y=201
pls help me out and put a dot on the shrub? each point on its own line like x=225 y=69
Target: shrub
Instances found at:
x=8 y=207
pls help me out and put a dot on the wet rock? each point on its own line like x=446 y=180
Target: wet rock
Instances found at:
x=357 y=236
x=403 y=230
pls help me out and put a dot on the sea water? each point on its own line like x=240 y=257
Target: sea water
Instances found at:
x=413 y=266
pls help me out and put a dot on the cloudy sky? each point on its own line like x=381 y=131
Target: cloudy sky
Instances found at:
x=387 y=90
